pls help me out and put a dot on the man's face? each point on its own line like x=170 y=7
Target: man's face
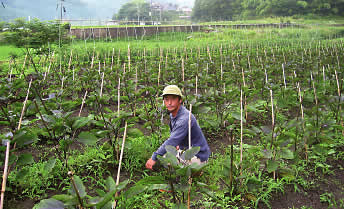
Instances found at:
x=172 y=102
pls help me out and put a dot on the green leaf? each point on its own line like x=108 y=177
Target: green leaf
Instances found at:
x=272 y=166
x=79 y=186
x=190 y=153
x=151 y=180
x=82 y=121
x=108 y=197
x=203 y=109
x=171 y=149
x=50 y=164
x=25 y=159
x=23 y=137
x=135 y=190
x=286 y=153
x=50 y=204
x=135 y=133
x=237 y=116
x=87 y=138
x=63 y=197
x=110 y=184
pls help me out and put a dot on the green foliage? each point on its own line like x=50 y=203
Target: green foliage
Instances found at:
x=34 y=34
x=225 y=10
x=135 y=10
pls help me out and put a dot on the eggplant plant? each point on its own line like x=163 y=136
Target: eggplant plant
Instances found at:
x=77 y=196
x=180 y=178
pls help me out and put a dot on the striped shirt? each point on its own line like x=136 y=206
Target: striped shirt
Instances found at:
x=179 y=135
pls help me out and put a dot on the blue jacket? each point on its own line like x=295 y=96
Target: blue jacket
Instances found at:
x=180 y=135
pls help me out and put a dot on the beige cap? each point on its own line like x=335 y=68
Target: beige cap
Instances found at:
x=172 y=90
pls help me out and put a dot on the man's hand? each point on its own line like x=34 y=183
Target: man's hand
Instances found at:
x=150 y=163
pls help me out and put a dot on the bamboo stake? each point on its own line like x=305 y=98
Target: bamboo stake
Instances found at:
x=119 y=95
x=272 y=127
x=285 y=84
x=101 y=86
x=99 y=67
x=196 y=86
x=82 y=103
x=62 y=82
x=120 y=162
x=243 y=80
x=190 y=126
x=159 y=74
x=4 y=176
x=70 y=59
x=11 y=71
x=241 y=130
x=129 y=59
x=24 y=106
x=338 y=88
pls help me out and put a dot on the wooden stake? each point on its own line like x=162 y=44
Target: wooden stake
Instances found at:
x=190 y=126
x=82 y=103
x=196 y=86
x=4 y=176
x=241 y=130
x=285 y=84
x=24 y=106
x=119 y=95
x=101 y=86
x=120 y=162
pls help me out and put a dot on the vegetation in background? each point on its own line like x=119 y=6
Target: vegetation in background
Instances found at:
x=216 y=10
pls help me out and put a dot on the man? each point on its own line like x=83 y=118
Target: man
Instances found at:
x=179 y=130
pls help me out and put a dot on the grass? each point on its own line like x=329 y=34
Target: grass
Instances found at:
x=6 y=51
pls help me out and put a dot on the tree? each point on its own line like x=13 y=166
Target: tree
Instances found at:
x=209 y=10
x=135 y=10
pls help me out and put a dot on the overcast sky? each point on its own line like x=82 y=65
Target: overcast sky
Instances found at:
x=75 y=9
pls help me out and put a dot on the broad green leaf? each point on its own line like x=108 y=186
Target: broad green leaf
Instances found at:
x=25 y=159
x=87 y=138
x=79 y=186
x=286 y=153
x=151 y=180
x=237 y=116
x=50 y=204
x=272 y=166
x=135 y=190
x=63 y=197
x=287 y=173
x=23 y=137
x=203 y=109
x=135 y=132
x=190 y=153
x=171 y=149
x=50 y=164
x=81 y=122
x=110 y=184
x=108 y=197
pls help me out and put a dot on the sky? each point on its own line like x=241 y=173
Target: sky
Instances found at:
x=75 y=9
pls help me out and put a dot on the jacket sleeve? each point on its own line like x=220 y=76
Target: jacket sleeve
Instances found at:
x=178 y=134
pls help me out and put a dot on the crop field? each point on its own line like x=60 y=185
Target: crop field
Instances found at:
x=79 y=122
